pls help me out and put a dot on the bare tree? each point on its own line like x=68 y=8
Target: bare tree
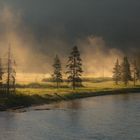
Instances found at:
x=11 y=73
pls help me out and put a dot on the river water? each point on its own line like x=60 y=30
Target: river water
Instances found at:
x=113 y=117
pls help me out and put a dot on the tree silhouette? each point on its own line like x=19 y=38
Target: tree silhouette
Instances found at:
x=74 y=68
x=125 y=71
x=57 y=74
x=1 y=72
x=136 y=72
x=117 y=72
x=11 y=73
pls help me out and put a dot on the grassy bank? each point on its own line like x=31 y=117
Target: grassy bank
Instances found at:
x=26 y=96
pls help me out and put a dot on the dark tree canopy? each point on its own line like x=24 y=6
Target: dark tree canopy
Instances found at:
x=74 y=68
x=136 y=72
x=117 y=72
x=1 y=72
x=57 y=74
x=125 y=71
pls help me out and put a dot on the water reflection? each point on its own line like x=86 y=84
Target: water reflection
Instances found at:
x=107 y=117
x=74 y=104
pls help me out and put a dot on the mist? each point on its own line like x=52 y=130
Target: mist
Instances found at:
x=35 y=55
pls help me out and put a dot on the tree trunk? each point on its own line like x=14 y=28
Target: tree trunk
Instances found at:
x=126 y=83
x=74 y=73
x=57 y=84
x=74 y=84
x=134 y=79
x=116 y=82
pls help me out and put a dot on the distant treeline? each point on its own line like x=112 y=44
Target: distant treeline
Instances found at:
x=122 y=72
x=84 y=79
x=125 y=72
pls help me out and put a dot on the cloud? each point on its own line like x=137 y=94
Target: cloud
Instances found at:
x=98 y=58
x=36 y=56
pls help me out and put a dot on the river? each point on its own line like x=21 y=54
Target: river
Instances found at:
x=113 y=117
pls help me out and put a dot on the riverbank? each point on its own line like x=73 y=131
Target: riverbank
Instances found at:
x=21 y=100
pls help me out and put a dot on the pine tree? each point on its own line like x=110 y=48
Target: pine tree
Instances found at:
x=125 y=71
x=74 y=68
x=57 y=74
x=136 y=72
x=1 y=72
x=117 y=72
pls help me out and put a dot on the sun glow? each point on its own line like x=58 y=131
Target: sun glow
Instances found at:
x=30 y=77
x=34 y=59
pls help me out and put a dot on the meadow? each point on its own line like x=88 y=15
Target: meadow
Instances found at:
x=89 y=85
x=28 y=94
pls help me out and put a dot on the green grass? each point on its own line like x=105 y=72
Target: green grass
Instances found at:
x=88 y=87
x=40 y=93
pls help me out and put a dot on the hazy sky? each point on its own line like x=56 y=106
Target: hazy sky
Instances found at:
x=116 y=21
x=40 y=29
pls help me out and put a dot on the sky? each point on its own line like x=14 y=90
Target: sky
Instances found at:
x=53 y=26
x=116 y=21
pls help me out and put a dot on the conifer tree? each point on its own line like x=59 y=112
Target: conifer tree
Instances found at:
x=136 y=72
x=74 y=68
x=57 y=74
x=1 y=72
x=125 y=71
x=117 y=72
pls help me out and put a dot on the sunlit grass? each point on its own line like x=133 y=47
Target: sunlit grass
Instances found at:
x=49 y=88
x=42 y=93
